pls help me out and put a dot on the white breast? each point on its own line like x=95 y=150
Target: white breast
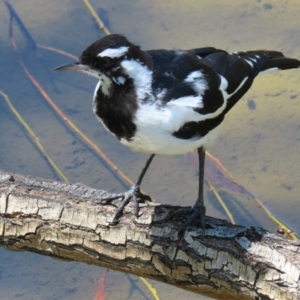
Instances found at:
x=155 y=128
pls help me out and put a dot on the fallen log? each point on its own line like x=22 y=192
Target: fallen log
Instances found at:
x=224 y=261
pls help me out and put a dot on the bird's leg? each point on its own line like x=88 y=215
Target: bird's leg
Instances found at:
x=199 y=209
x=133 y=194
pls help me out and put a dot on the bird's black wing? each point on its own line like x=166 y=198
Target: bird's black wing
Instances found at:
x=170 y=72
x=227 y=76
x=240 y=68
x=216 y=78
x=206 y=80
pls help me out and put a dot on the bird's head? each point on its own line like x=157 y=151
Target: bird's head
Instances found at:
x=113 y=60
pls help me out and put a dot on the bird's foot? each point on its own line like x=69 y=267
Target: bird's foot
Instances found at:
x=132 y=195
x=192 y=214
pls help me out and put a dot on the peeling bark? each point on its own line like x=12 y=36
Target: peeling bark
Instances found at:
x=224 y=262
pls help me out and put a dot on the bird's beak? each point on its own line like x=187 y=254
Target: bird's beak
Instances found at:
x=77 y=66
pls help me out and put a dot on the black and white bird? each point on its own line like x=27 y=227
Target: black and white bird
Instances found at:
x=168 y=102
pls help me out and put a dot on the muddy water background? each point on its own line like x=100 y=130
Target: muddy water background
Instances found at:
x=259 y=142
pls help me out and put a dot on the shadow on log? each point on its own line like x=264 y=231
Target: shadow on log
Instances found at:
x=224 y=262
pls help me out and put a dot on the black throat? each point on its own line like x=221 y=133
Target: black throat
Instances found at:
x=117 y=110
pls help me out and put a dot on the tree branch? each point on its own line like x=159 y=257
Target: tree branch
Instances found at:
x=224 y=262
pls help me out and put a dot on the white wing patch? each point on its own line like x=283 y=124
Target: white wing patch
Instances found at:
x=188 y=101
x=242 y=83
x=198 y=83
x=249 y=62
x=113 y=52
x=224 y=85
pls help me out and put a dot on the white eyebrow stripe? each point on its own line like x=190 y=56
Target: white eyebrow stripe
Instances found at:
x=113 y=52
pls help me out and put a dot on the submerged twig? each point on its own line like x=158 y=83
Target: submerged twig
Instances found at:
x=96 y=17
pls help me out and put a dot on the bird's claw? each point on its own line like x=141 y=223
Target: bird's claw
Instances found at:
x=132 y=195
x=192 y=213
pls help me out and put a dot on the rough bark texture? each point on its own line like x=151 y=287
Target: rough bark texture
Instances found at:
x=224 y=262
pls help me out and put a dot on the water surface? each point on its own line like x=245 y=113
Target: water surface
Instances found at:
x=259 y=142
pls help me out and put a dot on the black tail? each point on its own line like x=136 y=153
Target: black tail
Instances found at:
x=281 y=63
x=276 y=60
x=260 y=61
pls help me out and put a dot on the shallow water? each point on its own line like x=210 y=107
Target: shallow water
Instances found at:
x=259 y=142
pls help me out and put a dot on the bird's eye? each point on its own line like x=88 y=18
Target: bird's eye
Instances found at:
x=106 y=62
